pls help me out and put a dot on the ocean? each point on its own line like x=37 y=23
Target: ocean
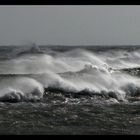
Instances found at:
x=69 y=90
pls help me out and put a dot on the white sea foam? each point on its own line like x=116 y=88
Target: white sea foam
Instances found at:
x=19 y=89
x=74 y=70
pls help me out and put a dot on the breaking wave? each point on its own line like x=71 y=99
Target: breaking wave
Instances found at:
x=31 y=75
x=20 y=89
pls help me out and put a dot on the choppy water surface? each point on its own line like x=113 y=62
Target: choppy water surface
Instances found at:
x=69 y=90
x=69 y=118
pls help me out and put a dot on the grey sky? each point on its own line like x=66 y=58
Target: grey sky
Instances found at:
x=70 y=25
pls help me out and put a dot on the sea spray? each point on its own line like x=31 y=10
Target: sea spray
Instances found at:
x=20 y=89
x=77 y=71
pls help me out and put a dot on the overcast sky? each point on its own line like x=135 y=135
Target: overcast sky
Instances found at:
x=70 y=25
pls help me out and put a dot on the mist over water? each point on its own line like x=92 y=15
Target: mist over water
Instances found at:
x=69 y=89
x=29 y=70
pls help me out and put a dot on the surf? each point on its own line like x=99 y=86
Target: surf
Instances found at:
x=75 y=72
